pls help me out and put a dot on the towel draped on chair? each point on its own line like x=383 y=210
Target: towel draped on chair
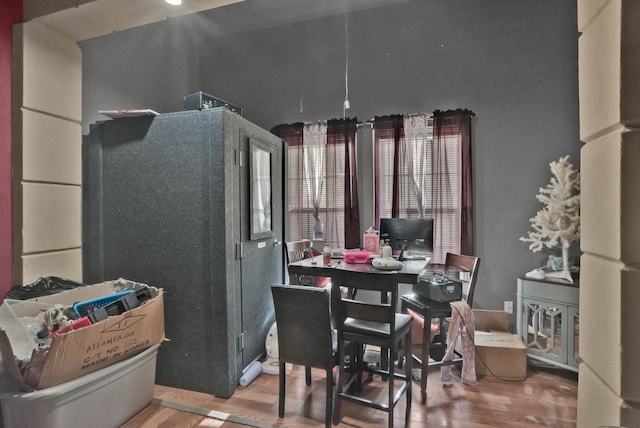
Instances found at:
x=461 y=324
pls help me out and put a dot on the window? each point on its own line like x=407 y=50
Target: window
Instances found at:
x=323 y=178
x=412 y=159
x=422 y=169
x=321 y=182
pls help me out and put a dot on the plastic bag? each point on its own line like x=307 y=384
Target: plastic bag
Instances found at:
x=43 y=286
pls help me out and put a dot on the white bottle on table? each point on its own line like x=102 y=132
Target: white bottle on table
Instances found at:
x=386 y=250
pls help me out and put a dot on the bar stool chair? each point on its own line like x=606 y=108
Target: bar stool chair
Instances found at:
x=296 y=251
x=305 y=337
x=461 y=267
x=375 y=324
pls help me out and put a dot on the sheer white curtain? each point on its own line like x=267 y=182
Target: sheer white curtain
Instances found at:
x=314 y=147
x=417 y=153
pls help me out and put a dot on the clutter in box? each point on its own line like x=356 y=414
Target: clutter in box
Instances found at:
x=55 y=338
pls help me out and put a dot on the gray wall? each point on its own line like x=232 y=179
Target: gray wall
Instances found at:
x=514 y=63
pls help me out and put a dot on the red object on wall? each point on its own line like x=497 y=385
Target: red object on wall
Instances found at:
x=11 y=11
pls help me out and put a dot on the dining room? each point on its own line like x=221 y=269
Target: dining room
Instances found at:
x=549 y=68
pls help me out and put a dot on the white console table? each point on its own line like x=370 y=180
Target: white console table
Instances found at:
x=547 y=320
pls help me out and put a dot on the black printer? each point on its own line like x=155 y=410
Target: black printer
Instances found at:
x=437 y=287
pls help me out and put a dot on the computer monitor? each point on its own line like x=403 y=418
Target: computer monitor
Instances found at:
x=408 y=235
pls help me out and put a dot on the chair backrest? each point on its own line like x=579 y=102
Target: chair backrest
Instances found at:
x=296 y=251
x=386 y=283
x=466 y=269
x=304 y=325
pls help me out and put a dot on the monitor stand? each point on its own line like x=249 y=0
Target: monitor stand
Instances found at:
x=403 y=247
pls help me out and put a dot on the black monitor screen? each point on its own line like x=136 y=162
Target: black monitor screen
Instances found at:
x=408 y=235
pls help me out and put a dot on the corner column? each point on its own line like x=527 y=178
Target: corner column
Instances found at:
x=609 y=377
x=47 y=154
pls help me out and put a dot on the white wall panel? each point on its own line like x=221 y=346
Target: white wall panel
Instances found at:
x=51 y=149
x=65 y=264
x=51 y=217
x=52 y=73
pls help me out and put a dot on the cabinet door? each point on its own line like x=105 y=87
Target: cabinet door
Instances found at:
x=573 y=354
x=546 y=329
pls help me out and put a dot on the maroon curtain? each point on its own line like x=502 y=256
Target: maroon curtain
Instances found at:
x=387 y=128
x=291 y=133
x=343 y=131
x=458 y=122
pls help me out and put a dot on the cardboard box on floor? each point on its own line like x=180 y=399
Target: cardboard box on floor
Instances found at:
x=499 y=353
x=87 y=349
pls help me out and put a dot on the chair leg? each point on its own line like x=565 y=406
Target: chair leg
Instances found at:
x=339 y=384
x=360 y=367
x=409 y=365
x=328 y=413
x=281 y=375
x=391 y=379
x=426 y=345
x=386 y=359
x=307 y=375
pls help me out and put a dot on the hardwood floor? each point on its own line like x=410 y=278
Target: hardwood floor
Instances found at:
x=548 y=397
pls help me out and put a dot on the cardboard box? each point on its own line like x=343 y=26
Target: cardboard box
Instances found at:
x=498 y=352
x=83 y=351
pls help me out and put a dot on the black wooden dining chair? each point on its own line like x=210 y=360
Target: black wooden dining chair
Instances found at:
x=299 y=250
x=305 y=336
x=296 y=251
x=456 y=266
x=377 y=324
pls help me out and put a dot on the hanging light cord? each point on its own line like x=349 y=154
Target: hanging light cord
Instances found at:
x=346 y=104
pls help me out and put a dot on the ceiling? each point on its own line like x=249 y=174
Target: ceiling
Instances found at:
x=84 y=19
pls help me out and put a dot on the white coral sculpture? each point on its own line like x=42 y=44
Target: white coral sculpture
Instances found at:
x=558 y=223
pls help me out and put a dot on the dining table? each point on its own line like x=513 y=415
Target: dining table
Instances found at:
x=315 y=266
x=408 y=274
